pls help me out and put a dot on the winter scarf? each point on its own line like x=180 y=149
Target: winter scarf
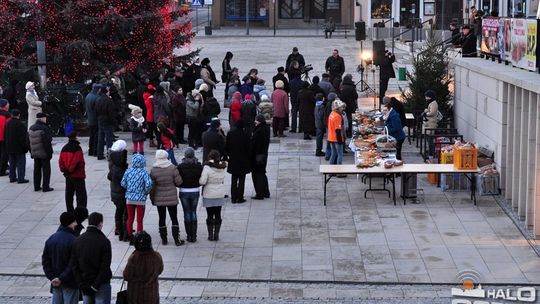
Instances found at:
x=139 y=120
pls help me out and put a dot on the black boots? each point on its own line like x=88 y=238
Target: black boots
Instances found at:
x=191 y=231
x=163 y=234
x=176 y=236
x=213 y=229
x=210 y=226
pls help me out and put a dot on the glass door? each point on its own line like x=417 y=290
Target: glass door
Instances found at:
x=317 y=9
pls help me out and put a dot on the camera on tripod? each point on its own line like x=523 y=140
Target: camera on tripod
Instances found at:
x=306 y=69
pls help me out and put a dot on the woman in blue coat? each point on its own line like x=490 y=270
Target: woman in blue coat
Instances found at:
x=395 y=129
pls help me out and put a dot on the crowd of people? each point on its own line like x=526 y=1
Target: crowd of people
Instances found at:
x=164 y=106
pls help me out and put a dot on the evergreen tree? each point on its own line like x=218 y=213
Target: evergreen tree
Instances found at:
x=430 y=73
x=85 y=37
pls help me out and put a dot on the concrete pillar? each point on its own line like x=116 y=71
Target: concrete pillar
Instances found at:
x=217 y=13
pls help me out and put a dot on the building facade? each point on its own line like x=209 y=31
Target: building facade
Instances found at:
x=282 y=13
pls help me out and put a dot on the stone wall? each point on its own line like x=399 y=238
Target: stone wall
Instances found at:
x=498 y=106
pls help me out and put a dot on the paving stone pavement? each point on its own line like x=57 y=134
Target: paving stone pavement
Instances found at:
x=290 y=236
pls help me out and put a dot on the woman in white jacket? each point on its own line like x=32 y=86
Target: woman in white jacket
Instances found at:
x=212 y=179
x=430 y=113
x=34 y=105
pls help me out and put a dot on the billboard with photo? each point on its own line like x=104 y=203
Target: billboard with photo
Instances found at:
x=505 y=43
x=519 y=43
x=490 y=36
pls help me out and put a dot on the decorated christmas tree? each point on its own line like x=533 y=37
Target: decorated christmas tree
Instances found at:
x=85 y=37
x=430 y=73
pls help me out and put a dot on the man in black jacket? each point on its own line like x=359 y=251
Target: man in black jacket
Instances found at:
x=105 y=112
x=349 y=96
x=295 y=56
x=40 y=144
x=468 y=42
x=214 y=139
x=335 y=66
x=281 y=76
x=55 y=260
x=16 y=146
x=260 y=141
x=386 y=72
x=91 y=262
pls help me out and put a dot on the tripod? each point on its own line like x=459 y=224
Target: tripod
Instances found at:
x=305 y=77
x=364 y=86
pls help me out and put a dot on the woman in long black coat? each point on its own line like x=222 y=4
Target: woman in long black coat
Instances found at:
x=260 y=141
x=306 y=100
x=237 y=147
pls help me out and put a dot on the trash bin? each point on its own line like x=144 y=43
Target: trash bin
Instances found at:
x=402 y=73
x=208 y=30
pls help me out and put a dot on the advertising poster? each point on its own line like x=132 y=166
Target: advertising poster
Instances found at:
x=531 y=44
x=505 y=33
x=519 y=43
x=490 y=36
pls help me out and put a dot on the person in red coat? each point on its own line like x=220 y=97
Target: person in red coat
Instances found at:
x=236 y=107
x=280 y=100
x=71 y=163
x=4 y=118
x=148 y=96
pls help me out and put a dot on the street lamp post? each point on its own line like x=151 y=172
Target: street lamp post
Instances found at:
x=247 y=17
x=275 y=12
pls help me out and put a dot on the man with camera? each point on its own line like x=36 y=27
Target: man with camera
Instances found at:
x=386 y=72
x=294 y=56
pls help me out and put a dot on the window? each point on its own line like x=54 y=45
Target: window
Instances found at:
x=291 y=9
x=236 y=9
x=381 y=9
x=333 y=4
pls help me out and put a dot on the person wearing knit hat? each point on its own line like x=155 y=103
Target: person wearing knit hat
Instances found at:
x=336 y=135
x=117 y=167
x=280 y=100
x=198 y=84
x=266 y=109
x=203 y=87
x=41 y=150
x=190 y=170
x=429 y=115
x=34 y=104
x=56 y=260
x=138 y=128
x=164 y=195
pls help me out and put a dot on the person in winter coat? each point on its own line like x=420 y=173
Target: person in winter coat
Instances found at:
x=236 y=108
x=249 y=112
x=247 y=87
x=430 y=113
x=91 y=118
x=468 y=42
x=161 y=102
x=16 y=147
x=55 y=261
x=260 y=89
x=296 y=84
x=398 y=107
x=233 y=87
x=5 y=116
x=395 y=129
x=117 y=167
x=214 y=139
x=226 y=72
x=325 y=85
x=306 y=100
x=11 y=94
x=138 y=185
x=178 y=105
x=237 y=146
x=318 y=114
x=294 y=56
x=40 y=144
x=168 y=138
x=336 y=136
x=211 y=109
x=329 y=27
x=260 y=141
x=315 y=87
x=149 y=116
x=266 y=108
x=166 y=179
x=105 y=112
x=280 y=100
x=190 y=170
x=138 y=128
x=349 y=96
x=281 y=76
x=386 y=72
x=71 y=163
x=34 y=104
x=193 y=116
x=212 y=180
x=335 y=66
x=327 y=111
x=142 y=272
x=91 y=262
x=208 y=75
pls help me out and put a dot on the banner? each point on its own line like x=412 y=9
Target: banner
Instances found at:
x=531 y=44
x=490 y=36
x=505 y=43
x=519 y=43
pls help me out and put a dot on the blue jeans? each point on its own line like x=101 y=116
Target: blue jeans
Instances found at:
x=17 y=167
x=328 y=151
x=171 y=156
x=319 y=139
x=336 y=157
x=105 y=136
x=65 y=295
x=189 y=205
x=102 y=296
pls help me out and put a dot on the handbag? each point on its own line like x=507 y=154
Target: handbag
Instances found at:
x=122 y=296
